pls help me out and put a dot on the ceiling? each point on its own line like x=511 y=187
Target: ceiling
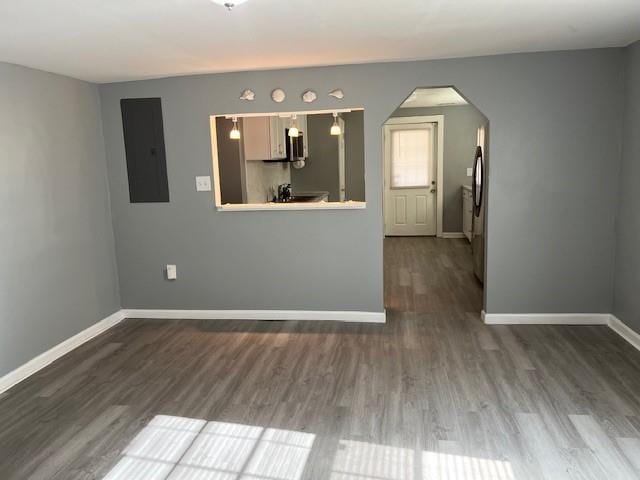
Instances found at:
x=433 y=97
x=111 y=40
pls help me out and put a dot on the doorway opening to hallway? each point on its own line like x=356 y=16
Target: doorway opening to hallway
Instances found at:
x=434 y=207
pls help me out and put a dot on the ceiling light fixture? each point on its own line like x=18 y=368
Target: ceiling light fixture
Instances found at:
x=234 y=134
x=229 y=4
x=293 y=130
x=335 y=128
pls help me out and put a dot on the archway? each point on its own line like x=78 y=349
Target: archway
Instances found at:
x=436 y=165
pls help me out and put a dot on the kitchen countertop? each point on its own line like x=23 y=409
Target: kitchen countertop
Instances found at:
x=305 y=197
x=310 y=194
x=249 y=207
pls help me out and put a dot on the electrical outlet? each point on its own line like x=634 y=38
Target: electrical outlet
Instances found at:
x=203 y=184
x=470 y=172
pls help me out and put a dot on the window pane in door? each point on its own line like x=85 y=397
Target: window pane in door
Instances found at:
x=410 y=156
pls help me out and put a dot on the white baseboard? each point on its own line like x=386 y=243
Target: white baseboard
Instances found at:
x=546 y=318
x=452 y=235
x=44 y=359
x=340 y=316
x=611 y=321
x=103 y=325
x=625 y=332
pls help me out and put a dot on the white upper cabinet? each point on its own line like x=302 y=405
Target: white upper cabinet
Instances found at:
x=263 y=138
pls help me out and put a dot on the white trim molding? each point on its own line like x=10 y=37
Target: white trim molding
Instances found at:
x=259 y=207
x=51 y=355
x=453 y=235
x=624 y=331
x=546 y=318
x=339 y=316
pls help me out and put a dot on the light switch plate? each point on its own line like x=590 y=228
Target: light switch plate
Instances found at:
x=172 y=273
x=203 y=184
x=470 y=172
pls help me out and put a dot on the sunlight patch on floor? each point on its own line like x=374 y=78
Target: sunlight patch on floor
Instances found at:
x=369 y=461
x=177 y=448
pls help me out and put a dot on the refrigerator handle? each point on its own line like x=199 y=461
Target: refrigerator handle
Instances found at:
x=477 y=192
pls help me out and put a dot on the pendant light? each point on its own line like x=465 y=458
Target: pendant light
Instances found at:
x=234 y=134
x=293 y=130
x=335 y=128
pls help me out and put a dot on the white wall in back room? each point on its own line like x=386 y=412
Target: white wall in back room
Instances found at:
x=263 y=178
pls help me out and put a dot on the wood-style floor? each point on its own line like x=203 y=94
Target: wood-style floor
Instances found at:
x=432 y=394
x=430 y=275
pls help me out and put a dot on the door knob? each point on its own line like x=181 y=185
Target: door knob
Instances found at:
x=433 y=190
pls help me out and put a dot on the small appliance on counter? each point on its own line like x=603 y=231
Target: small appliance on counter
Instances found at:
x=284 y=193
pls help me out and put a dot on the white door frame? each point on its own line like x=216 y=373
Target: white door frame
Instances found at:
x=439 y=121
x=341 y=162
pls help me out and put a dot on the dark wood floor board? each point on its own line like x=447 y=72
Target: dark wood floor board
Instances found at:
x=432 y=385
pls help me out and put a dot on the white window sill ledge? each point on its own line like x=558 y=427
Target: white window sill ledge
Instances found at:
x=254 y=207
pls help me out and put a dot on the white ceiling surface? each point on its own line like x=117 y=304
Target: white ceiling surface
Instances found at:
x=433 y=97
x=111 y=40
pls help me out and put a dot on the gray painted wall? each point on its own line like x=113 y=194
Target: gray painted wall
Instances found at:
x=627 y=298
x=354 y=155
x=552 y=189
x=321 y=170
x=229 y=162
x=461 y=124
x=58 y=273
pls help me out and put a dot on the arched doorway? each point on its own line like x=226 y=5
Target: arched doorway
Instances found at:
x=434 y=207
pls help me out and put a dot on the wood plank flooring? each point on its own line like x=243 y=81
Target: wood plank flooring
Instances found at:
x=432 y=394
x=430 y=275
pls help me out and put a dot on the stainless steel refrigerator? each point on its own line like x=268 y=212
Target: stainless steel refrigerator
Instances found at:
x=479 y=201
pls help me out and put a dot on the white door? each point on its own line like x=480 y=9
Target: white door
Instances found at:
x=410 y=179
